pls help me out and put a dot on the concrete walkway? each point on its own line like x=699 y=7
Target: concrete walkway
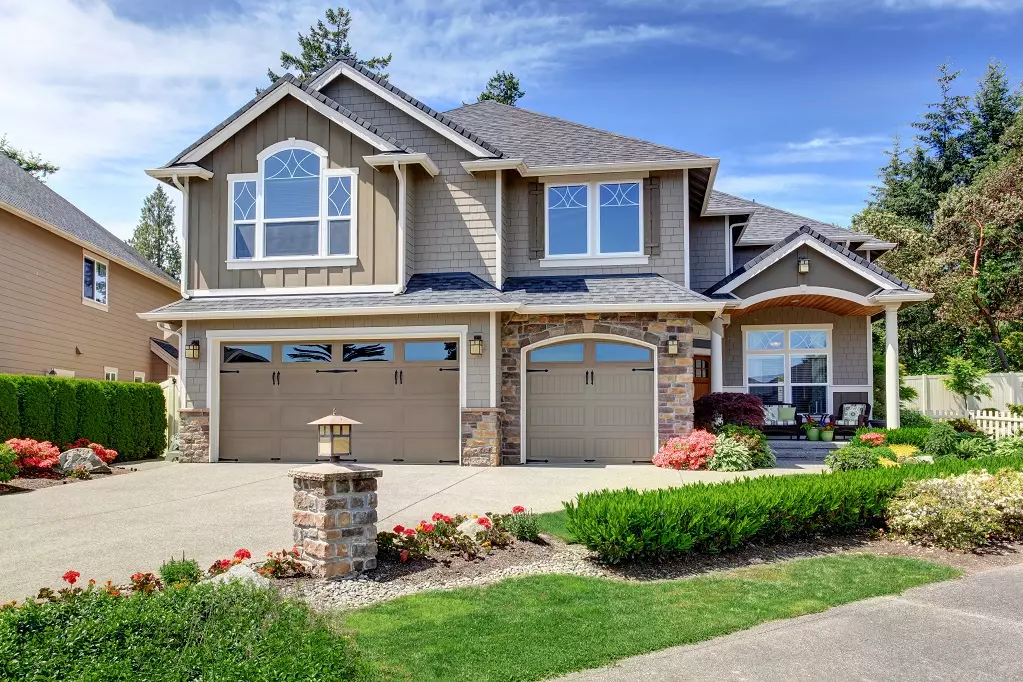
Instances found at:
x=967 y=629
x=112 y=527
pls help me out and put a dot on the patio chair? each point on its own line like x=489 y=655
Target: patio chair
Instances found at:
x=850 y=417
x=781 y=419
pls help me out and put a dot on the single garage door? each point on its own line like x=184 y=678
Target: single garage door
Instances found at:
x=405 y=393
x=590 y=401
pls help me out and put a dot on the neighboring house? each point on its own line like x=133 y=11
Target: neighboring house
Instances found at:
x=490 y=284
x=73 y=291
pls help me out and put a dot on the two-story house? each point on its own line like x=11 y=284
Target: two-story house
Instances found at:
x=491 y=285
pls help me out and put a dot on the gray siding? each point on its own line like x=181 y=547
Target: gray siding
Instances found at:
x=744 y=254
x=707 y=243
x=824 y=272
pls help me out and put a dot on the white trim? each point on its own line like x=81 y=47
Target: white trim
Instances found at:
x=107 y=371
x=495 y=361
x=850 y=388
x=96 y=262
x=499 y=228
x=185 y=171
x=900 y=296
x=253 y=112
x=729 y=246
x=580 y=168
x=136 y=375
x=787 y=327
x=183 y=188
x=802 y=291
x=402 y=250
x=593 y=255
x=302 y=262
x=182 y=360
x=379 y=161
x=710 y=188
x=523 y=377
x=486 y=165
x=361 y=79
x=214 y=338
x=786 y=351
x=688 y=262
x=870 y=360
x=588 y=261
x=299 y=291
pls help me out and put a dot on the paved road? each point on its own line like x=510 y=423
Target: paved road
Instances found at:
x=112 y=527
x=968 y=629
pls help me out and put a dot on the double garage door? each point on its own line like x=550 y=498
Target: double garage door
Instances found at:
x=405 y=393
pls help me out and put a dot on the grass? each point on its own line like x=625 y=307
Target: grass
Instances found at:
x=553 y=523
x=542 y=626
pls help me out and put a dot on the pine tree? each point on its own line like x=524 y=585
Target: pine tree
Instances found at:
x=995 y=107
x=325 y=43
x=29 y=161
x=155 y=236
x=502 y=87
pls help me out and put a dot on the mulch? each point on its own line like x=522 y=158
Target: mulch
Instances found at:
x=23 y=485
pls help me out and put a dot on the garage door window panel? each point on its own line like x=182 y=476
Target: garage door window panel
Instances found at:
x=307 y=352
x=622 y=352
x=431 y=351
x=247 y=354
x=566 y=352
x=368 y=352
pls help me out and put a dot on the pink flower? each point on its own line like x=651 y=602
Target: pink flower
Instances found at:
x=409 y=532
x=71 y=577
x=873 y=439
x=518 y=509
x=484 y=521
x=687 y=452
x=399 y=529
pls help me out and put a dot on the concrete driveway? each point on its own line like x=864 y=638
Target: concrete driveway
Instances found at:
x=112 y=527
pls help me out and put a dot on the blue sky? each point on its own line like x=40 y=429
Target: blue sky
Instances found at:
x=797 y=97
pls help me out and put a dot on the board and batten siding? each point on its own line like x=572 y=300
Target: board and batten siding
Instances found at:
x=210 y=203
x=43 y=320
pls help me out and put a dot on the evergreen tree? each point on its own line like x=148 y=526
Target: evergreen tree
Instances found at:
x=996 y=105
x=29 y=161
x=155 y=236
x=502 y=87
x=325 y=42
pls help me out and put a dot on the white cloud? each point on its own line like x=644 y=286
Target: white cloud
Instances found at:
x=826 y=148
x=839 y=7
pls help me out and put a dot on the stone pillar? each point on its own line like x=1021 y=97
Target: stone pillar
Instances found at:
x=891 y=366
x=717 y=368
x=335 y=518
x=481 y=436
x=194 y=435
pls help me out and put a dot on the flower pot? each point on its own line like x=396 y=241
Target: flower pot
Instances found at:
x=813 y=434
x=827 y=435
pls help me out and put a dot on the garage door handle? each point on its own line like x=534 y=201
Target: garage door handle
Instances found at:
x=449 y=369
x=395 y=377
x=401 y=377
x=230 y=371
x=536 y=370
x=642 y=369
x=335 y=371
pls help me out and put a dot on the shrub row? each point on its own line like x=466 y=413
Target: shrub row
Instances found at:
x=623 y=525
x=915 y=435
x=128 y=417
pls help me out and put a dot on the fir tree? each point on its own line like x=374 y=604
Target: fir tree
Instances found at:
x=155 y=236
x=29 y=161
x=325 y=42
x=502 y=87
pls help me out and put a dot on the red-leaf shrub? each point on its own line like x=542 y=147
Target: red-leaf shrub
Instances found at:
x=35 y=459
x=742 y=409
x=687 y=452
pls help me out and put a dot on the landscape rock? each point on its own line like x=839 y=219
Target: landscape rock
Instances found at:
x=241 y=573
x=83 y=457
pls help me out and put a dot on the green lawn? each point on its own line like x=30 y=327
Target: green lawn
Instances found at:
x=541 y=626
x=553 y=523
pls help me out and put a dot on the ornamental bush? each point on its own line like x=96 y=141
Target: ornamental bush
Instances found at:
x=706 y=518
x=974 y=445
x=941 y=441
x=691 y=451
x=857 y=457
x=911 y=419
x=741 y=409
x=178 y=572
x=10 y=419
x=755 y=440
x=1009 y=447
x=730 y=455
x=8 y=469
x=905 y=435
x=962 y=425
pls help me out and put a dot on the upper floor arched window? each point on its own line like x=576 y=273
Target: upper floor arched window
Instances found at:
x=294 y=209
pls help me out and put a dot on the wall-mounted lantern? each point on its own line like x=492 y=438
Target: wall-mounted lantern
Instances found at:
x=476 y=345
x=803 y=266
x=673 y=345
x=192 y=349
x=334 y=439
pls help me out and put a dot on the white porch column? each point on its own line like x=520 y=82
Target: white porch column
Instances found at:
x=891 y=365
x=717 y=370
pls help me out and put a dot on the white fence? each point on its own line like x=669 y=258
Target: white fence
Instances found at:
x=994 y=423
x=1006 y=389
x=171 y=399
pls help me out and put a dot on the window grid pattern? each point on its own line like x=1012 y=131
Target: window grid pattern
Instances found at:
x=610 y=225
x=779 y=368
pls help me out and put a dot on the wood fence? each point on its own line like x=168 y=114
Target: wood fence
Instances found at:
x=995 y=423
x=171 y=399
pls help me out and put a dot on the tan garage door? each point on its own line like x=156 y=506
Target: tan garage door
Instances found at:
x=405 y=393
x=590 y=401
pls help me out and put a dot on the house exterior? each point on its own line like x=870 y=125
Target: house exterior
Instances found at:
x=73 y=291
x=491 y=285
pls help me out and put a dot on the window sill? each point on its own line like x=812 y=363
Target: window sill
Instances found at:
x=592 y=261
x=98 y=306
x=312 y=262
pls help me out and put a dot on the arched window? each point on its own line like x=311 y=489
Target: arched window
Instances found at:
x=294 y=209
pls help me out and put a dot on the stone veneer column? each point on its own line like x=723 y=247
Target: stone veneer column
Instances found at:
x=194 y=435
x=335 y=518
x=481 y=436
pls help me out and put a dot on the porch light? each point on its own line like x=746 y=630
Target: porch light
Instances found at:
x=476 y=345
x=192 y=349
x=335 y=437
x=804 y=266
x=672 y=345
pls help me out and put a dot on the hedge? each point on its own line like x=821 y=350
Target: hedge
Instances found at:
x=914 y=435
x=623 y=525
x=127 y=417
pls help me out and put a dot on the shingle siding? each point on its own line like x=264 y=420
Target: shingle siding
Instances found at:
x=742 y=255
x=707 y=242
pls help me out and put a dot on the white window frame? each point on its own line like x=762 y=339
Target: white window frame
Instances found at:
x=107 y=372
x=593 y=255
x=96 y=260
x=322 y=258
x=787 y=351
x=138 y=377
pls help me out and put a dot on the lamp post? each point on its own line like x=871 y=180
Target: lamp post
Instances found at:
x=334 y=436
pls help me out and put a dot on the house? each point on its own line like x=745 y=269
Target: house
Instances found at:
x=491 y=285
x=72 y=291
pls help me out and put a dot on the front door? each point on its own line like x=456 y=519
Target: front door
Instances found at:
x=701 y=375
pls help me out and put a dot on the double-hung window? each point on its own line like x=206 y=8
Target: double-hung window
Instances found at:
x=789 y=365
x=598 y=221
x=94 y=281
x=294 y=212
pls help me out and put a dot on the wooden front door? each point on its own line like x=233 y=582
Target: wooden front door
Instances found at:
x=701 y=375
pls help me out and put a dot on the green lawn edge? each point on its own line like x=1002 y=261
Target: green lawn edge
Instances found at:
x=555 y=523
x=543 y=626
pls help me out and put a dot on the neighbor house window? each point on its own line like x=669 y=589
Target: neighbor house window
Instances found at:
x=789 y=366
x=94 y=281
x=293 y=209
x=138 y=377
x=110 y=373
x=594 y=220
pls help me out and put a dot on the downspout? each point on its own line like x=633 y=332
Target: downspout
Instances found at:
x=499 y=230
x=403 y=244
x=184 y=235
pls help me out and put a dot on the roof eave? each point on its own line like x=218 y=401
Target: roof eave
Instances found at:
x=621 y=167
x=387 y=160
x=190 y=170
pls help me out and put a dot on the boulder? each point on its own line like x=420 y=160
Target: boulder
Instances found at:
x=83 y=457
x=241 y=573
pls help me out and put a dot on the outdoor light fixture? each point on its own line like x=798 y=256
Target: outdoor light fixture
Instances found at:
x=672 y=345
x=192 y=349
x=476 y=345
x=335 y=437
x=804 y=266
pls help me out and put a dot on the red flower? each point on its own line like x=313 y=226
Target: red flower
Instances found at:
x=437 y=516
x=71 y=577
x=399 y=529
x=409 y=532
x=518 y=509
x=243 y=554
x=484 y=521
x=428 y=527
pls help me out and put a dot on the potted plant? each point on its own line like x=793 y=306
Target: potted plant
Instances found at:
x=827 y=431
x=812 y=429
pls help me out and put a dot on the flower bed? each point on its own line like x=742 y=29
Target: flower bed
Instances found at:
x=732 y=448
x=445 y=535
x=24 y=459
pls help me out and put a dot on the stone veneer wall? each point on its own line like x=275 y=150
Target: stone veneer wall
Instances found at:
x=675 y=372
x=194 y=435
x=481 y=436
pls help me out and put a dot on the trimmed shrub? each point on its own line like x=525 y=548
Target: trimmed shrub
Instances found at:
x=35 y=404
x=941 y=441
x=730 y=455
x=972 y=446
x=127 y=434
x=93 y=411
x=854 y=457
x=65 y=410
x=622 y=525
x=742 y=409
x=155 y=417
x=911 y=419
x=8 y=469
x=10 y=417
x=755 y=440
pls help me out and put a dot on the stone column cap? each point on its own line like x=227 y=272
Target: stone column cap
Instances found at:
x=326 y=471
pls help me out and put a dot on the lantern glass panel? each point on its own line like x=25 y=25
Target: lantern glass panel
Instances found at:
x=342 y=445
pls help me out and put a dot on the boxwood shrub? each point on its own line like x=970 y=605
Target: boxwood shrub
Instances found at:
x=623 y=525
x=10 y=417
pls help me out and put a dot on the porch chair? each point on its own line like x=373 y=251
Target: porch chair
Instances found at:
x=780 y=419
x=850 y=417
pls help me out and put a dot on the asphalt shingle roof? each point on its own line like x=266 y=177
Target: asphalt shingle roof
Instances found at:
x=29 y=195
x=168 y=347
x=543 y=140
x=598 y=290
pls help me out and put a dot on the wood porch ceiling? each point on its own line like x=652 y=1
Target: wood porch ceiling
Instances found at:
x=828 y=304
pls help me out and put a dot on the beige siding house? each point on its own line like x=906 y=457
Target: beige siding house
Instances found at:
x=73 y=291
x=490 y=285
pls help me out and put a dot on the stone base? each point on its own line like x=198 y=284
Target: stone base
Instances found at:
x=481 y=436
x=335 y=518
x=194 y=435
